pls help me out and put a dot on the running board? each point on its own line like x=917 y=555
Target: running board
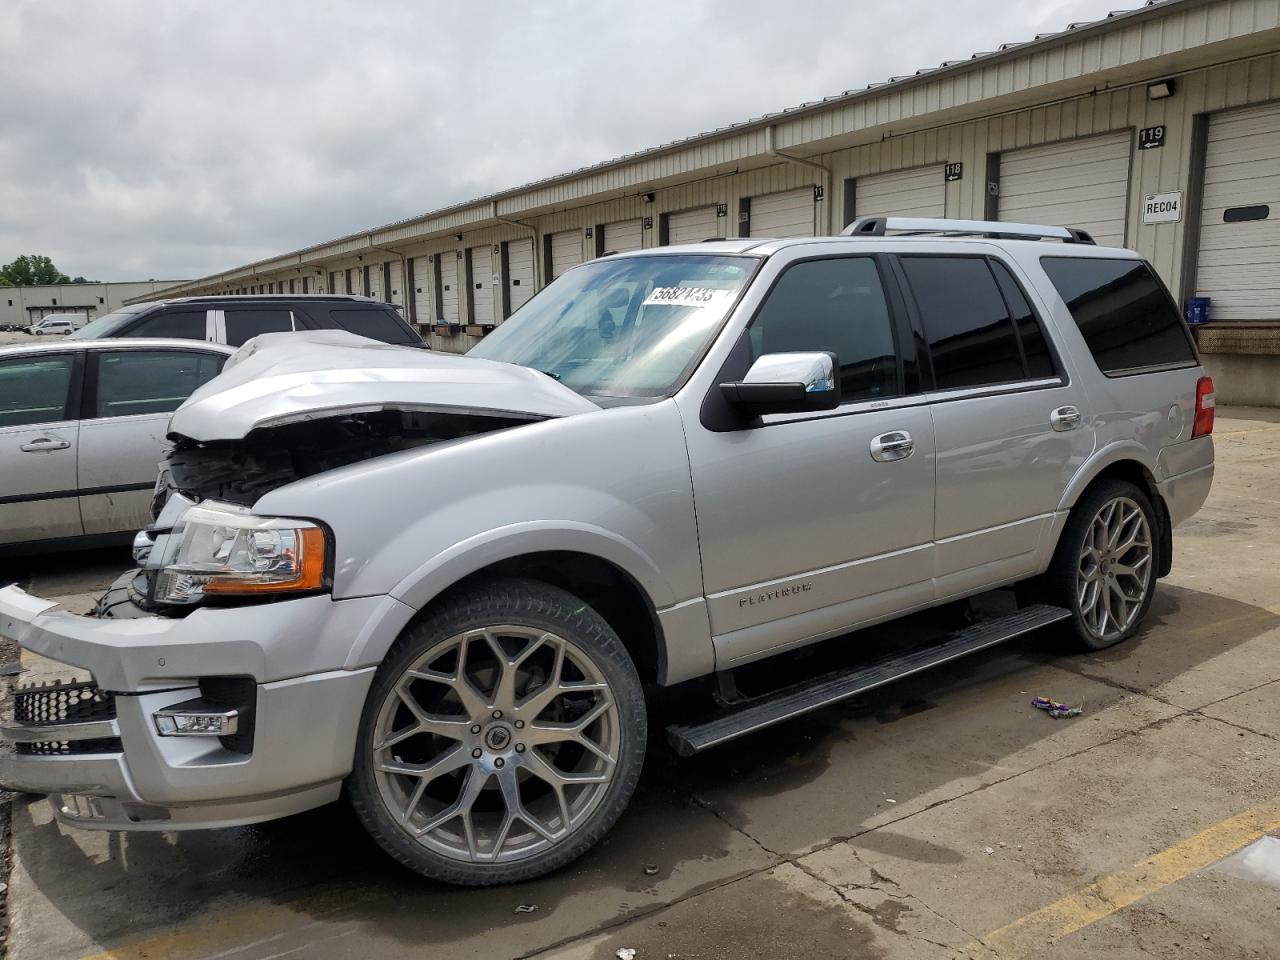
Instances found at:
x=788 y=702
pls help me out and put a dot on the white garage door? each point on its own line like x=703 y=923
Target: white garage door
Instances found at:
x=481 y=284
x=1239 y=259
x=449 y=285
x=787 y=214
x=520 y=273
x=396 y=293
x=623 y=236
x=1078 y=183
x=354 y=285
x=693 y=226
x=566 y=251
x=424 y=305
x=919 y=192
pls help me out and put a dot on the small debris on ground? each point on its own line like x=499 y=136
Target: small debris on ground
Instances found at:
x=989 y=851
x=527 y=908
x=1058 y=711
x=626 y=953
x=650 y=869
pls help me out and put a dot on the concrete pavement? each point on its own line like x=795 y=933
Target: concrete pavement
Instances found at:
x=941 y=817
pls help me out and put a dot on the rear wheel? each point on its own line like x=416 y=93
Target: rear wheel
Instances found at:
x=502 y=737
x=1104 y=570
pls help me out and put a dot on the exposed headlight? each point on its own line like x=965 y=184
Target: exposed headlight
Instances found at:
x=225 y=553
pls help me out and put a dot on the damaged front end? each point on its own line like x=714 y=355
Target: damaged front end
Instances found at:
x=293 y=406
x=241 y=471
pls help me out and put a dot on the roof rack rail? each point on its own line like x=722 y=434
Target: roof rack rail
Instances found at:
x=990 y=229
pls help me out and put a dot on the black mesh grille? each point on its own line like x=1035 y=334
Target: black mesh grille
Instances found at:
x=57 y=748
x=63 y=703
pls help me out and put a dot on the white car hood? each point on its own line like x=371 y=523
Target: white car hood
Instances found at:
x=280 y=378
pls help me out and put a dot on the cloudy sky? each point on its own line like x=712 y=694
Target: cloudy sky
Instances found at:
x=170 y=139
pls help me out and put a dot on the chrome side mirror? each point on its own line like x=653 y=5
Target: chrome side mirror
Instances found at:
x=786 y=383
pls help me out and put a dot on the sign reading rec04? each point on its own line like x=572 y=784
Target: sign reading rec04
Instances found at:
x=1162 y=207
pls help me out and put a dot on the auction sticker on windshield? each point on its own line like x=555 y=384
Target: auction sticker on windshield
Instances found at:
x=685 y=296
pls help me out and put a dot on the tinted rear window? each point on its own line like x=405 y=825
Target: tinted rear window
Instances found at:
x=245 y=324
x=371 y=322
x=1125 y=315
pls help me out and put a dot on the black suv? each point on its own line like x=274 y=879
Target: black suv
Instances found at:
x=234 y=320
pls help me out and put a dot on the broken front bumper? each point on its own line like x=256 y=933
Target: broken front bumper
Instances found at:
x=92 y=743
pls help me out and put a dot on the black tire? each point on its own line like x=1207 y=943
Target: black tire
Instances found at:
x=116 y=603
x=541 y=607
x=1061 y=583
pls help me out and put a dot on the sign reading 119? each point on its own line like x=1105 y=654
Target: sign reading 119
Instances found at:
x=1149 y=138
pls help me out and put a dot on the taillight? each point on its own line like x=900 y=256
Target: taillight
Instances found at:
x=1204 y=408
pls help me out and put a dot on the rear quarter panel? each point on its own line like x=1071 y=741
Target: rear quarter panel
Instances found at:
x=1144 y=416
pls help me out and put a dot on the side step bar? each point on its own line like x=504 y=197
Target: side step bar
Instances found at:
x=773 y=708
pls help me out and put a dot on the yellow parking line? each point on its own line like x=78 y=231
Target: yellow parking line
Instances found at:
x=1030 y=934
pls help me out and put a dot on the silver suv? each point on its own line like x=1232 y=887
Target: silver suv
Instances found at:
x=443 y=582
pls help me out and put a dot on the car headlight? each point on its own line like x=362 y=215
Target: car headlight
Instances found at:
x=225 y=553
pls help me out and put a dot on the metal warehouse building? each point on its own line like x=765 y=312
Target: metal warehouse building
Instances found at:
x=26 y=305
x=1156 y=129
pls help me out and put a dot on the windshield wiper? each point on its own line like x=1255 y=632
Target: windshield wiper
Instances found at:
x=553 y=376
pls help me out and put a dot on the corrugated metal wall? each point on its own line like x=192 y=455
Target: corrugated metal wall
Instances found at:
x=722 y=169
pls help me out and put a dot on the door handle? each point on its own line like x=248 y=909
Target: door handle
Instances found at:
x=44 y=445
x=1064 y=418
x=894 y=445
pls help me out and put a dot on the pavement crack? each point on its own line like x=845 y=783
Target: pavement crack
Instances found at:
x=709 y=806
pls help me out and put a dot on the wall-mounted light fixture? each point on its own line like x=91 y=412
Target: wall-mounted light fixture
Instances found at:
x=1161 y=89
x=647 y=197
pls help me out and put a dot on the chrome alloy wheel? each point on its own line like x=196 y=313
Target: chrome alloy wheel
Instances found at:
x=1114 y=572
x=496 y=744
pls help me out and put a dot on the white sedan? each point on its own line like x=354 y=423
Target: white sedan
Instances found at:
x=82 y=429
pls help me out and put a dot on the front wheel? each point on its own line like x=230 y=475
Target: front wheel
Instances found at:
x=1104 y=569
x=502 y=737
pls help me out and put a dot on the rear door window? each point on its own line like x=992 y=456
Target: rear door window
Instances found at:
x=971 y=336
x=183 y=324
x=372 y=322
x=1128 y=320
x=245 y=323
x=34 y=389
x=1034 y=346
x=130 y=382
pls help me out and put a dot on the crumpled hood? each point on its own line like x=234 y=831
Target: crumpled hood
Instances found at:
x=280 y=378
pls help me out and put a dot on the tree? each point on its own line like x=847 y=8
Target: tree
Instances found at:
x=30 y=270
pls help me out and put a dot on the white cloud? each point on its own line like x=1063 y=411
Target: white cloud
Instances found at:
x=142 y=138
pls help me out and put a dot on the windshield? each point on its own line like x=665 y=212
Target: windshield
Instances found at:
x=624 y=327
x=107 y=324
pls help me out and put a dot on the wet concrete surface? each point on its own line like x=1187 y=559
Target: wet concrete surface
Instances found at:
x=919 y=822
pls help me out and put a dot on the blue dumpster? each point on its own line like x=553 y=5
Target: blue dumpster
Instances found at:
x=1198 y=309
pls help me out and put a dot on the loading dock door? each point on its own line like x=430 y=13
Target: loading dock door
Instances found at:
x=919 y=192
x=424 y=304
x=1077 y=183
x=787 y=214
x=693 y=226
x=623 y=236
x=481 y=284
x=566 y=251
x=520 y=273
x=1239 y=256
x=395 y=293
x=449 y=285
